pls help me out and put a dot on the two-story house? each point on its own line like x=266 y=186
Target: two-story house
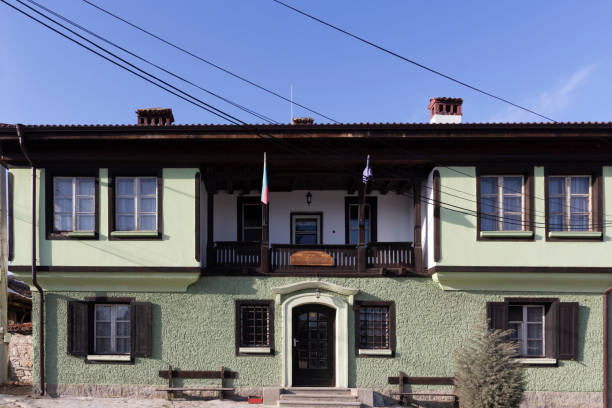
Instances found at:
x=153 y=249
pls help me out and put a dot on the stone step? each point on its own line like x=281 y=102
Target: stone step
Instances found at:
x=323 y=396
x=317 y=391
x=318 y=404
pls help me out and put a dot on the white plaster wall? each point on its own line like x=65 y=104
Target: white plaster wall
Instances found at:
x=395 y=215
x=428 y=223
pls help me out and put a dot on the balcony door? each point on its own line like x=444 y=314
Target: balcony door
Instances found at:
x=306 y=228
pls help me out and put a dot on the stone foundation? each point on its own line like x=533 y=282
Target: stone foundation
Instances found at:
x=20 y=359
x=380 y=397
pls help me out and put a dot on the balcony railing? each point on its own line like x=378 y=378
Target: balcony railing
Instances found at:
x=288 y=258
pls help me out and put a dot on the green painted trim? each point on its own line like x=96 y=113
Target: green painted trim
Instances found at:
x=506 y=234
x=575 y=234
x=524 y=282
x=112 y=282
x=133 y=234
x=81 y=234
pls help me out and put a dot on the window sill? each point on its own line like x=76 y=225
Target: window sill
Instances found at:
x=575 y=234
x=375 y=352
x=506 y=234
x=81 y=234
x=134 y=234
x=109 y=357
x=536 y=361
x=254 y=350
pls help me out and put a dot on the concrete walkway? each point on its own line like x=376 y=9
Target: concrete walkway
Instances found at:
x=23 y=401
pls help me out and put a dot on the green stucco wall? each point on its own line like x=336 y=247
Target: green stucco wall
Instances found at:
x=459 y=245
x=195 y=330
x=178 y=217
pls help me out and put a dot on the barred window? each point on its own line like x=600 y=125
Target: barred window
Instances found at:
x=375 y=327
x=255 y=325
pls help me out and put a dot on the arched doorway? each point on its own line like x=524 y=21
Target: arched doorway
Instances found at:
x=313 y=348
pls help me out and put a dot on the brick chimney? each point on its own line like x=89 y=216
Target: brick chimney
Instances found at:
x=155 y=117
x=445 y=110
x=302 y=121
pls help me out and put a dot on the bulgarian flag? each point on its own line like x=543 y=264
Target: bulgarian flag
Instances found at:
x=264 y=184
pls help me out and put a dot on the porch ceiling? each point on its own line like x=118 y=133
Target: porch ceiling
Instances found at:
x=248 y=179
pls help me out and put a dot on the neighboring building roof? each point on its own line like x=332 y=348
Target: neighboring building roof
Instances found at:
x=18 y=287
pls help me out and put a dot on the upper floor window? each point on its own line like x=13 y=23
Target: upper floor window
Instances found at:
x=73 y=204
x=351 y=210
x=569 y=203
x=502 y=204
x=306 y=228
x=136 y=201
x=249 y=219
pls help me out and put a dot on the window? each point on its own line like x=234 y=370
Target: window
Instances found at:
x=502 y=203
x=527 y=325
x=112 y=329
x=254 y=327
x=73 y=204
x=306 y=228
x=375 y=328
x=136 y=201
x=249 y=219
x=545 y=328
x=351 y=210
x=569 y=203
x=107 y=329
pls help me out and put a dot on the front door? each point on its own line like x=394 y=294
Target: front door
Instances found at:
x=313 y=346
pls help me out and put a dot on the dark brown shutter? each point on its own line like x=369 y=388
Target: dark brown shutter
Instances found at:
x=551 y=327
x=142 y=329
x=568 y=331
x=497 y=315
x=78 y=328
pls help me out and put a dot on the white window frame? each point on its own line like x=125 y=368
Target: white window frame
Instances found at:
x=73 y=197
x=137 y=196
x=499 y=194
x=567 y=201
x=296 y=217
x=524 y=338
x=113 y=326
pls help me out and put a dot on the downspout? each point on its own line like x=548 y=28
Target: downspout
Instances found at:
x=41 y=296
x=605 y=347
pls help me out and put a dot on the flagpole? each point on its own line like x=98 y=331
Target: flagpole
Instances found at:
x=265 y=229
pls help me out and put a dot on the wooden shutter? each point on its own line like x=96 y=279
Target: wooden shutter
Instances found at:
x=551 y=330
x=78 y=328
x=497 y=315
x=568 y=331
x=142 y=329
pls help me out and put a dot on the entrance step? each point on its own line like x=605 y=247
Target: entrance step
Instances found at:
x=318 y=397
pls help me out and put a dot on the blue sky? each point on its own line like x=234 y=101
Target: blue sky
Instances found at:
x=553 y=57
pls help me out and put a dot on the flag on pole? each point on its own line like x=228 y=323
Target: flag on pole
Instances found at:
x=264 y=184
x=367 y=172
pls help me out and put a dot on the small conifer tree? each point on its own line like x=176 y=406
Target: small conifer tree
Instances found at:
x=486 y=375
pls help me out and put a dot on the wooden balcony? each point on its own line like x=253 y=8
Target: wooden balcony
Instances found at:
x=382 y=258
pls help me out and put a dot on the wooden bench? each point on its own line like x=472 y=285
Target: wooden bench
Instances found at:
x=171 y=374
x=405 y=397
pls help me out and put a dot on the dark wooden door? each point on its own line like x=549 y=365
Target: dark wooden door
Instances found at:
x=313 y=346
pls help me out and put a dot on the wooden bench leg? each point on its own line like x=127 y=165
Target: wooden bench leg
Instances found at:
x=170 y=396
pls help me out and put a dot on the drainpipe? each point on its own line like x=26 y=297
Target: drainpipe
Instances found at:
x=605 y=347
x=41 y=296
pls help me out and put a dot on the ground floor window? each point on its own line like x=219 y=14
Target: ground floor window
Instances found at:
x=527 y=325
x=254 y=326
x=375 y=328
x=112 y=329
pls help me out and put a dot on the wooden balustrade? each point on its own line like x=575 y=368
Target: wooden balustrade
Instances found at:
x=344 y=257
x=237 y=254
x=248 y=254
x=393 y=254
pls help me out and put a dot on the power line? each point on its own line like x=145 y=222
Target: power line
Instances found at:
x=228 y=118
x=260 y=116
x=413 y=62
x=206 y=61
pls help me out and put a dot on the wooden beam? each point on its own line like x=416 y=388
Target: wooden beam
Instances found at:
x=229 y=186
x=418 y=249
